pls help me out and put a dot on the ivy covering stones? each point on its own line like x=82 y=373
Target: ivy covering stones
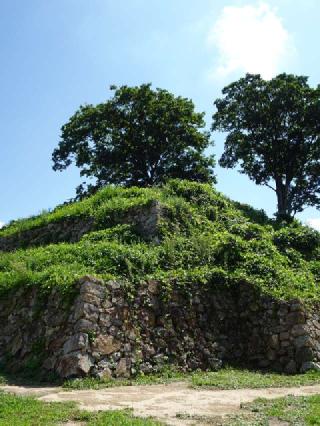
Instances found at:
x=184 y=234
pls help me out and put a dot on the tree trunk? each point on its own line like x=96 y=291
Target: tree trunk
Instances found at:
x=284 y=207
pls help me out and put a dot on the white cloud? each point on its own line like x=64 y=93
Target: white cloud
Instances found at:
x=252 y=39
x=1 y=224
x=314 y=223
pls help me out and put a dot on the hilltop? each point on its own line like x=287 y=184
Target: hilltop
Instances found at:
x=182 y=232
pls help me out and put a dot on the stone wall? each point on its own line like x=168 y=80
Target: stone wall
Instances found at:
x=280 y=335
x=145 y=219
x=68 y=230
x=108 y=331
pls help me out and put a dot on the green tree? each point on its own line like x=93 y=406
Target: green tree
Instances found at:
x=273 y=134
x=138 y=137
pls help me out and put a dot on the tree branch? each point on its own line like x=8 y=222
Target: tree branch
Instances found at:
x=269 y=186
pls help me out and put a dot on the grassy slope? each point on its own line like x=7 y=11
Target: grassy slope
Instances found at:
x=206 y=240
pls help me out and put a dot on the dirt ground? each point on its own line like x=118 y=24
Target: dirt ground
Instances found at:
x=175 y=404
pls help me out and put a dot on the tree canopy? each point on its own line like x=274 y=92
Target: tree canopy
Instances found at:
x=138 y=137
x=273 y=134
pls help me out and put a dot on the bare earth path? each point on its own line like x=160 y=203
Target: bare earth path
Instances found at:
x=163 y=402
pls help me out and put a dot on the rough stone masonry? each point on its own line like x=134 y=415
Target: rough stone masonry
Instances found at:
x=108 y=331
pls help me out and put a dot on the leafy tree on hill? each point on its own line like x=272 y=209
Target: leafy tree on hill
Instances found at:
x=273 y=133
x=138 y=137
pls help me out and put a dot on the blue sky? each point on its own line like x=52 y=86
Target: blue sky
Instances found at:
x=56 y=55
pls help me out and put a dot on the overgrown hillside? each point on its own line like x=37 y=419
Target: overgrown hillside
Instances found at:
x=201 y=238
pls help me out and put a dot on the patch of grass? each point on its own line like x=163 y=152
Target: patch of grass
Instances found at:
x=167 y=375
x=226 y=378
x=23 y=411
x=294 y=410
x=120 y=418
x=231 y=378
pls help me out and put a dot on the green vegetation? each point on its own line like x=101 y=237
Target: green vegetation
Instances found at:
x=166 y=375
x=288 y=411
x=273 y=135
x=231 y=378
x=103 y=207
x=226 y=378
x=22 y=411
x=139 y=137
x=293 y=410
x=206 y=240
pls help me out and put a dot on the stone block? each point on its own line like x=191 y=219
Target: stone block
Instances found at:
x=299 y=330
x=307 y=366
x=301 y=341
x=304 y=354
x=106 y=345
x=291 y=367
x=74 y=364
x=79 y=341
x=122 y=369
x=284 y=335
x=85 y=326
x=274 y=341
x=86 y=310
x=297 y=317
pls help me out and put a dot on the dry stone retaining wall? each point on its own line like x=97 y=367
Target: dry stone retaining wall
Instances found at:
x=280 y=335
x=108 y=331
x=70 y=230
x=145 y=219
